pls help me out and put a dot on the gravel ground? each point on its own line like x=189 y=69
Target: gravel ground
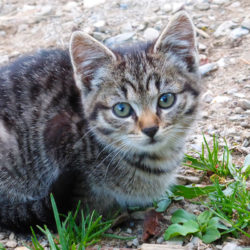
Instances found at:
x=223 y=28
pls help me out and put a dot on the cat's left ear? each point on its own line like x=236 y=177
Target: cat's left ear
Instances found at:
x=87 y=57
x=178 y=40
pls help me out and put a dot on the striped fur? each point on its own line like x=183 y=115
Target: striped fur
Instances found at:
x=58 y=132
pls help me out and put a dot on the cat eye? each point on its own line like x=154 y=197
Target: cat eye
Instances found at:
x=166 y=100
x=122 y=109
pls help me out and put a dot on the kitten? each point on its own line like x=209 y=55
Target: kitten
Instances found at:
x=103 y=126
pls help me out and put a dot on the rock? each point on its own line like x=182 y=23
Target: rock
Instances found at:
x=99 y=36
x=11 y=243
x=202 y=46
x=236 y=118
x=92 y=3
x=127 y=27
x=21 y=248
x=4 y=59
x=165 y=246
x=224 y=28
x=245 y=124
x=135 y=242
x=167 y=7
x=119 y=39
x=151 y=34
x=221 y=99
x=231 y=132
x=12 y=236
x=99 y=24
x=160 y=240
x=207 y=68
x=202 y=6
x=138 y=215
x=2 y=236
x=71 y=6
x=235 y=5
x=45 y=10
x=238 y=32
x=245 y=104
x=238 y=110
x=246 y=143
x=246 y=23
x=231 y=246
x=123 y=6
x=220 y=2
x=188 y=179
x=129 y=230
x=239 y=95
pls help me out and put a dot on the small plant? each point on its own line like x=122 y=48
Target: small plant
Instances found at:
x=1 y=247
x=210 y=160
x=205 y=226
x=70 y=234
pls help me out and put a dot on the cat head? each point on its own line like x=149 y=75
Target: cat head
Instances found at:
x=140 y=98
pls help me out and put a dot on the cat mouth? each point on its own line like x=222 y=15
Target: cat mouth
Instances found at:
x=152 y=141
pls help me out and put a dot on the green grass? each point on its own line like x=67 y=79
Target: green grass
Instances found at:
x=226 y=198
x=72 y=235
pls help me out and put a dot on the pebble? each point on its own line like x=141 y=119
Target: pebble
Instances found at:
x=151 y=34
x=246 y=23
x=135 y=242
x=246 y=143
x=235 y=4
x=202 y=46
x=119 y=39
x=129 y=230
x=160 y=240
x=220 y=2
x=188 y=179
x=202 y=6
x=99 y=24
x=167 y=7
x=236 y=117
x=238 y=110
x=92 y=3
x=71 y=5
x=11 y=243
x=245 y=124
x=231 y=246
x=21 y=248
x=238 y=32
x=99 y=36
x=221 y=99
x=245 y=104
x=2 y=236
x=4 y=59
x=224 y=28
x=45 y=10
x=12 y=236
x=207 y=68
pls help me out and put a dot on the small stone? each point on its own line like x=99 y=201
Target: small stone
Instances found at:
x=238 y=32
x=235 y=4
x=92 y=3
x=21 y=248
x=99 y=24
x=245 y=104
x=12 y=236
x=135 y=242
x=221 y=99
x=207 y=68
x=220 y=2
x=202 y=46
x=189 y=179
x=129 y=243
x=99 y=36
x=70 y=6
x=119 y=39
x=45 y=10
x=129 y=230
x=151 y=34
x=4 y=59
x=167 y=7
x=160 y=240
x=231 y=246
x=224 y=28
x=238 y=110
x=123 y=6
x=245 y=124
x=11 y=243
x=127 y=27
x=202 y=6
x=246 y=143
x=246 y=23
x=2 y=33
x=236 y=118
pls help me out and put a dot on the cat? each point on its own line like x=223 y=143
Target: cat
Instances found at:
x=107 y=127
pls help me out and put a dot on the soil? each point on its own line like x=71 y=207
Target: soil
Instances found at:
x=27 y=25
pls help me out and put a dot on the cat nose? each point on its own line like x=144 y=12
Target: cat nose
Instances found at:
x=151 y=131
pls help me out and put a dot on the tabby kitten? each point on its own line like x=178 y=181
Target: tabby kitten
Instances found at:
x=103 y=126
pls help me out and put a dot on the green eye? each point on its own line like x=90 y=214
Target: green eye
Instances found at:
x=166 y=100
x=122 y=109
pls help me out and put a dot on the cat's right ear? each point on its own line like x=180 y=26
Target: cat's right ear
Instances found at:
x=87 y=57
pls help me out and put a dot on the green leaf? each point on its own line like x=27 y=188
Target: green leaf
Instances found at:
x=188 y=227
x=211 y=235
x=162 y=205
x=214 y=222
x=192 y=192
x=182 y=216
x=204 y=217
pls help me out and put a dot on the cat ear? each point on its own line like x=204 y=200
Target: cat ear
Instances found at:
x=178 y=40
x=87 y=56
